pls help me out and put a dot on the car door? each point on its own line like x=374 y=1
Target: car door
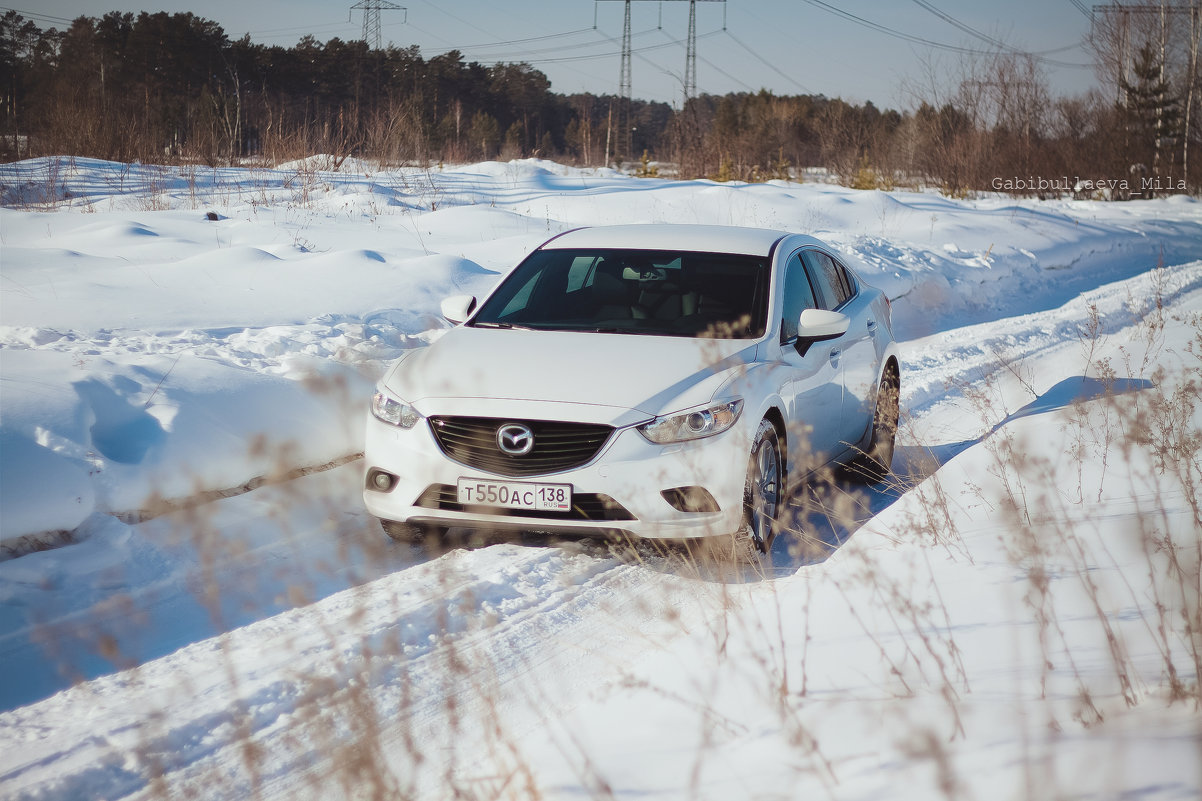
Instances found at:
x=855 y=351
x=861 y=361
x=814 y=388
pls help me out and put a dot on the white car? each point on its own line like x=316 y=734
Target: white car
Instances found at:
x=662 y=381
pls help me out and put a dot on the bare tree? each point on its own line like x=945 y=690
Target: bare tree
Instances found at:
x=1191 y=83
x=1119 y=36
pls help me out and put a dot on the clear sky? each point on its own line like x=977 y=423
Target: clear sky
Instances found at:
x=787 y=46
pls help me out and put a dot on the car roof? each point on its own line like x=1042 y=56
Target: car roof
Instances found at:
x=667 y=236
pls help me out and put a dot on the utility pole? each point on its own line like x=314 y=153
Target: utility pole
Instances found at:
x=371 y=19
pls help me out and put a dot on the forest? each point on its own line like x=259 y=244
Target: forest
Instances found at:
x=174 y=88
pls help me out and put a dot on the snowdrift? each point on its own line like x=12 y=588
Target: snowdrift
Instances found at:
x=193 y=603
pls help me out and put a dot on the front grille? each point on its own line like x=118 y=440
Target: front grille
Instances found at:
x=585 y=506
x=472 y=441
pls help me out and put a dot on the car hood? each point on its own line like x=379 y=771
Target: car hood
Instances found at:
x=633 y=377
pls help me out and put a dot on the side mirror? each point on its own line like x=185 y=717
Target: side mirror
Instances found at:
x=817 y=325
x=458 y=308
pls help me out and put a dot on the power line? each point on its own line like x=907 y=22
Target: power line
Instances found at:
x=1084 y=9
x=525 y=40
x=949 y=19
x=721 y=71
x=639 y=51
x=1177 y=8
x=908 y=37
x=766 y=63
x=482 y=52
x=36 y=15
x=310 y=30
x=635 y=51
x=271 y=32
x=886 y=30
x=457 y=18
x=712 y=65
x=485 y=53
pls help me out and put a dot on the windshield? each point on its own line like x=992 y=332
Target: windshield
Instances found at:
x=668 y=293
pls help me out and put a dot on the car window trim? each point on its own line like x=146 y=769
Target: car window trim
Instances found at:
x=850 y=284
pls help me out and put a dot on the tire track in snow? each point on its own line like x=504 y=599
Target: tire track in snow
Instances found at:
x=389 y=638
x=933 y=365
x=509 y=608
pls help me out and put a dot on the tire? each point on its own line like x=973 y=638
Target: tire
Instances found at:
x=763 y=492
x=872 y=465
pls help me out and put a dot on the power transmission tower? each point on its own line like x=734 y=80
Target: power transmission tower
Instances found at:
x=624 y=78
x=690 y=58
x=371 y=18
x=625 y=100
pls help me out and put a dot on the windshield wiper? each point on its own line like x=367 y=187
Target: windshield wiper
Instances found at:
x=506 y=326
x=586 y=328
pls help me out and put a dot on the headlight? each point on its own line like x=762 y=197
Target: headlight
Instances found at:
x=693 y=424
x=394 y=412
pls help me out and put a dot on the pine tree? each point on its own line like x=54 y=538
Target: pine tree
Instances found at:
x=1152 y=115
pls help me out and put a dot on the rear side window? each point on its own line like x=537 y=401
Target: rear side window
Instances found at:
x=830 y=279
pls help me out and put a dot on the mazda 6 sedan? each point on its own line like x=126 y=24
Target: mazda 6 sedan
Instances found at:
x=651 y=381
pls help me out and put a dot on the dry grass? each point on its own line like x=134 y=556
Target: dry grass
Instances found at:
x=394 y=719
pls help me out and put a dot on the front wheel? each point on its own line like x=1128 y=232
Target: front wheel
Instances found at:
x=763 y=490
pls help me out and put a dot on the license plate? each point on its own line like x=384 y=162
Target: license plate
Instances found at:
x=515 y=495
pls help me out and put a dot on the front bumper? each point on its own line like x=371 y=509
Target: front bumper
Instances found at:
x=630 y=471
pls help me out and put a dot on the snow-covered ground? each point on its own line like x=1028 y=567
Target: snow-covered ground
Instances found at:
x=193 y=603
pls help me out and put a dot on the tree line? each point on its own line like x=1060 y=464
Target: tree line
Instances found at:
x=168 y=88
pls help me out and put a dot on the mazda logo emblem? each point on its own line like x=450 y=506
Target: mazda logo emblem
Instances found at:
x=515 y=439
